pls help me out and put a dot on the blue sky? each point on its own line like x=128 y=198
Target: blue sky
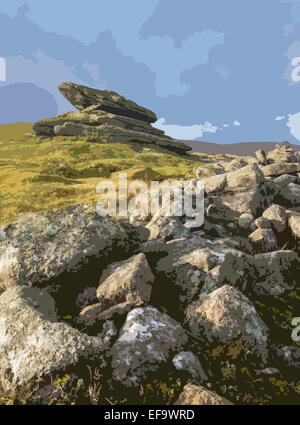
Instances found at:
x=212 y=70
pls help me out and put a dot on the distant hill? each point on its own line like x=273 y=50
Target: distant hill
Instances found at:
x=25 y=102
x=242 y=149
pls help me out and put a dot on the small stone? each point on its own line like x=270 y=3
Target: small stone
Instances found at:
x=294 y=223
x=262 y=223
x=245 y=220
x=264 y=240
x=188 y=362
x=200 y=396
x=261 y=157
x=276 y=214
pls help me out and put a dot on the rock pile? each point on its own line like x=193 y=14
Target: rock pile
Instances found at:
x=283 y=152
x=106 y=117
x=161 y=303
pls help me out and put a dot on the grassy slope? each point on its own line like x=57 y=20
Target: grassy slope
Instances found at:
x=40 y=174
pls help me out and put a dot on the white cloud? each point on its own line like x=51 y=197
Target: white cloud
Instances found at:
x=226 y=125
x=294 y=125
x=236 y=123
x=185 y=132
x=280 y=118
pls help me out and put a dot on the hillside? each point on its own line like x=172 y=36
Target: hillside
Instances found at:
x=38 y=174
x=240 y=149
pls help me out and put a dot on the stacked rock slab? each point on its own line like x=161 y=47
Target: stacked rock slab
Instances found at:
x=283 y=153
x=106 y=117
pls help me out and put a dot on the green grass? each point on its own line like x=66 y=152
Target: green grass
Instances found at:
x=38 y=174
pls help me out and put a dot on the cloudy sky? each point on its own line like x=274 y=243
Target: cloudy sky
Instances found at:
x=214 y=70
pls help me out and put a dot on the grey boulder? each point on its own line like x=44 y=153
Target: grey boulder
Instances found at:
x=147 y=339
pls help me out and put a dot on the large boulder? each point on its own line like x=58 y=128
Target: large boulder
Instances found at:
x=244 y=177
x=123 y=286
x=130 y=280
x=60 y=125
x=134 y=134
x=33 y=344
x=200 y=396
x=83 y=97
x=214 y=183
x=278 y=168
x=286 y=179
x=226 y=315
x=275 y=272
x=282 y=153
x=39 y=249
x=287 y=191
x=217 y=212
x=253 y=199
x=106 y=117
x=147 y=339
x=247 y=191
x=197 y=265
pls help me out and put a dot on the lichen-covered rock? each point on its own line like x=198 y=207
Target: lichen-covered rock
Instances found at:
x=279 y=168
x=123 y=286
x=202 y=172
x=33 y=344
x=264 y=240
x=243 y=177
x=275 y=272
x=87 y=297
x=253 y=198
x=130 y=280
x=200 y=396
x=290 y=195
x=218 y=168
x=286 y=179
x=83 y=97
x=262 y=223
x=288 y=355
x=217 y=212
x=235 y=164
x=186 y=361
x=147 y=339
x=166 y=228
x=246 y=220
x=215 y=183
x=196 y=264
x=261 y=157
x=294 y=224
x=276 y=215
x=107 y=117
x=187 y=264
x=59 y=125
x=41 y=248
x=226 y=315
x=282 y=153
